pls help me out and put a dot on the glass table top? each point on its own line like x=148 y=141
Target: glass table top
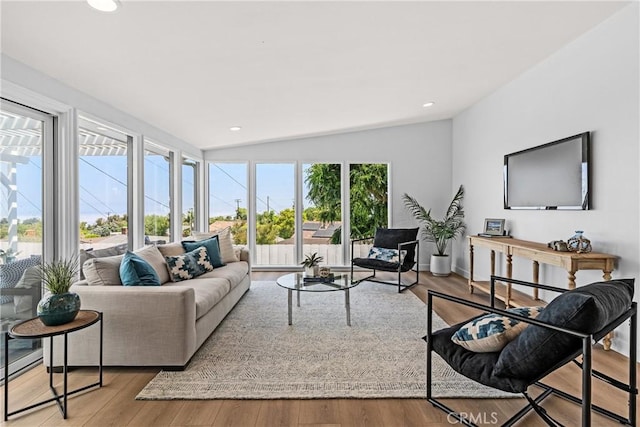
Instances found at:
x=296 y=282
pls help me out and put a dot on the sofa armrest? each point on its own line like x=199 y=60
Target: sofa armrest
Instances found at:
x=245 y=255
x=145 y=325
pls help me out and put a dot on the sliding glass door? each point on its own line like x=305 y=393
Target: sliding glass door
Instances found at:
x=25 y=136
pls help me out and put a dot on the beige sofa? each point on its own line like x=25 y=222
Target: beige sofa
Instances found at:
x=152 y=325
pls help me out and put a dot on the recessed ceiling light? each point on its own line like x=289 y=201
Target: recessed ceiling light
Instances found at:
x=235 y=128
x=104 y=5
x=428 y=104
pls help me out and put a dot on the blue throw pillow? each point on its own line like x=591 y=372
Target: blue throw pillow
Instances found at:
x=190 y=265
x=213 y=249
x=135 y=271
x=491 y=332
x=389 y=255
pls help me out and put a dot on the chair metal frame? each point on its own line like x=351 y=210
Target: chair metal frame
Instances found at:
x=588 y=372
x=401 y=286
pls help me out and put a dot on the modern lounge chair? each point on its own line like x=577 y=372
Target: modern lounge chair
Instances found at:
x=395 y=250
x=565 y=330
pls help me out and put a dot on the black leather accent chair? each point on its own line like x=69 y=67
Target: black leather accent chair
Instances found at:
x=566 y=329
x=401 y=239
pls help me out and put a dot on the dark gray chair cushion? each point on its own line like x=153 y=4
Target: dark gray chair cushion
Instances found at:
x=477 y=366
x=587 y=309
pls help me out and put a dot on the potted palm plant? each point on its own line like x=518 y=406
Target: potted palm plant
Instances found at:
x=311 y=264
x=58 y=306
x=441 y=231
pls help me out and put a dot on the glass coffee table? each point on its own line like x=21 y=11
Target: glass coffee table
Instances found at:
x=295 y=282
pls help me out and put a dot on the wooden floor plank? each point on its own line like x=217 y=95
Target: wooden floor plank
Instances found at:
x=278 y=413
x=197 y=413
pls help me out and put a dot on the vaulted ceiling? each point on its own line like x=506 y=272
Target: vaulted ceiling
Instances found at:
x=281 y=70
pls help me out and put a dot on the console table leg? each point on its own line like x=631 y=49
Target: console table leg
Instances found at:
x=470 y=282
x=572 y=279
x=606 y=341
x=536 y=275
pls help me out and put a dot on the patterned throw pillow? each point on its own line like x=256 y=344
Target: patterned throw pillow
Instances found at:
x=389 y=255
x=191 y=264
x=213 y=249
x=491 y=332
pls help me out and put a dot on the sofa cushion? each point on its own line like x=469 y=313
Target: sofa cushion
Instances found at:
x=213 y=249
x=152 y=255
x=234 y=272
x=135 y=271
x=103 y=271
x=227 y=252
x=586 y=309
x=99 y=253
x=171 y=249
x=190 y=265
x=208 y=292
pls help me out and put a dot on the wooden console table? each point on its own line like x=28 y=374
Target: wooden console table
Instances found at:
x=538 y=253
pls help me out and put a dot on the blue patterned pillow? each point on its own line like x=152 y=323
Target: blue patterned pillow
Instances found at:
x=389 y=255
x=189 y=265
x=491 y=332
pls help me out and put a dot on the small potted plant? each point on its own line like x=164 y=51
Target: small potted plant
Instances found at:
x=58 y=306
x=311 y=264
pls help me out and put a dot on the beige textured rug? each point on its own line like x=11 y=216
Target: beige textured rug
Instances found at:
x=255 y=354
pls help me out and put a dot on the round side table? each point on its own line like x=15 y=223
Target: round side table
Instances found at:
x=33 y=329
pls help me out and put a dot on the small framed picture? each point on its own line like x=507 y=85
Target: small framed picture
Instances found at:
x=494 y=226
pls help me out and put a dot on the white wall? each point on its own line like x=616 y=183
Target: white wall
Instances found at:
x=419 y=155
x=589 y=85
x=18 y=73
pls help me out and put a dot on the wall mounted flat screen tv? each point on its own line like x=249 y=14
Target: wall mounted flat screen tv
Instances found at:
x=550 y=176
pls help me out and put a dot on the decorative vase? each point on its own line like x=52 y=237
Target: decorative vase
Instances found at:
x=58 y=309
x=578 y=243
x=440 y=265
x=324 y=272
x=311 y=271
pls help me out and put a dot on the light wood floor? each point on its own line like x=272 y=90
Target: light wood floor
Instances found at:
x=115 y=404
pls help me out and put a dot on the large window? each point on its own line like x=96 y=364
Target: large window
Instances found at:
x=228 y=199
x=322 y=211
x=157 y=194
x=103 y=185
x=275 y=214
x=25 y=136
x=368 y=202
x=189 y=196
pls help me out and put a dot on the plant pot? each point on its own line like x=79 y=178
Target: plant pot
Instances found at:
x=440 y=265
x=312 y=271
x=58 y=309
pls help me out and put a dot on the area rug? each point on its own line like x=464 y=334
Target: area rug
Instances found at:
x=255 y=354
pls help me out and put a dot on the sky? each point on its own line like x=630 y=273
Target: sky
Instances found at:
x=103 y=188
